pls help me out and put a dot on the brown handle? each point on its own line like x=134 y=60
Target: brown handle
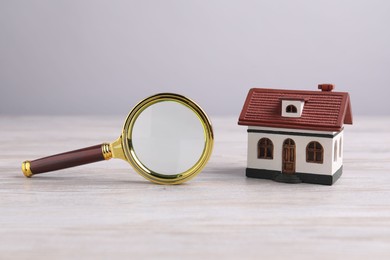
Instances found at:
x=66 y=160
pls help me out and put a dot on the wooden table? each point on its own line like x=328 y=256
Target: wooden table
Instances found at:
x=107 y=211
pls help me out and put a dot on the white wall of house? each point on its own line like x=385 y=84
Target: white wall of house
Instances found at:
x=328 y=167
x=337 y=154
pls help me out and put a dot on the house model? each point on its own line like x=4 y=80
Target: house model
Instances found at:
x=294 y=135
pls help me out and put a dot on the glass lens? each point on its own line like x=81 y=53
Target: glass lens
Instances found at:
x=168 y=138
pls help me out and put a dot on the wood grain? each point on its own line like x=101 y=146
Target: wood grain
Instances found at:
x=106 y=211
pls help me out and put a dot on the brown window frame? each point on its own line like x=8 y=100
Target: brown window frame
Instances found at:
x=316 y=152
x=291 y=109
x=265 y=149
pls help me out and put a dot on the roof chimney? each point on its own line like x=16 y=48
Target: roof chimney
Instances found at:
x=326 y=87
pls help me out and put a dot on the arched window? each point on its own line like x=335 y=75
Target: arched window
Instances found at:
x=335 y=151
x=314 y=153
x=265 y=149
x=291 y=109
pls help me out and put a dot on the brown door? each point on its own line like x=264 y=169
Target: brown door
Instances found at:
x=288 y=163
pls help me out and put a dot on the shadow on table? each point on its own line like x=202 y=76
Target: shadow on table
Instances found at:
x=83 y=179
x=226 y=171
x=91 y=178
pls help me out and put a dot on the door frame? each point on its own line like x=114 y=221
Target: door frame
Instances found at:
x=288 y=156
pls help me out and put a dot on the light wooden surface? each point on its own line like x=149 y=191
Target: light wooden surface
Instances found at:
x=107 y=211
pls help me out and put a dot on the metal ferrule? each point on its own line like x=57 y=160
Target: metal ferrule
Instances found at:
x=26 y=169
x=106 y=151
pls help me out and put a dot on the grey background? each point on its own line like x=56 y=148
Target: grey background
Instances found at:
x=101 y=57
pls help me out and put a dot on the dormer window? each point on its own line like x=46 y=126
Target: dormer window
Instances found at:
x=292 y=107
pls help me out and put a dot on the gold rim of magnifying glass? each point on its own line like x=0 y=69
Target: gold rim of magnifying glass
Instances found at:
x=144 y=171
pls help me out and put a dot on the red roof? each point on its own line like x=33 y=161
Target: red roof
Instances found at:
x=322 y=111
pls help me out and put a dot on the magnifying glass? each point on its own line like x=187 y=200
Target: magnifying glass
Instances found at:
x=167 y=138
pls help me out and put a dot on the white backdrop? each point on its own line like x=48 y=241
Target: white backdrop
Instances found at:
x=101 y=57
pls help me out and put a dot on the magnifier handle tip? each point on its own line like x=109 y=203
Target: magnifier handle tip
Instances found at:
x=26 y=169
